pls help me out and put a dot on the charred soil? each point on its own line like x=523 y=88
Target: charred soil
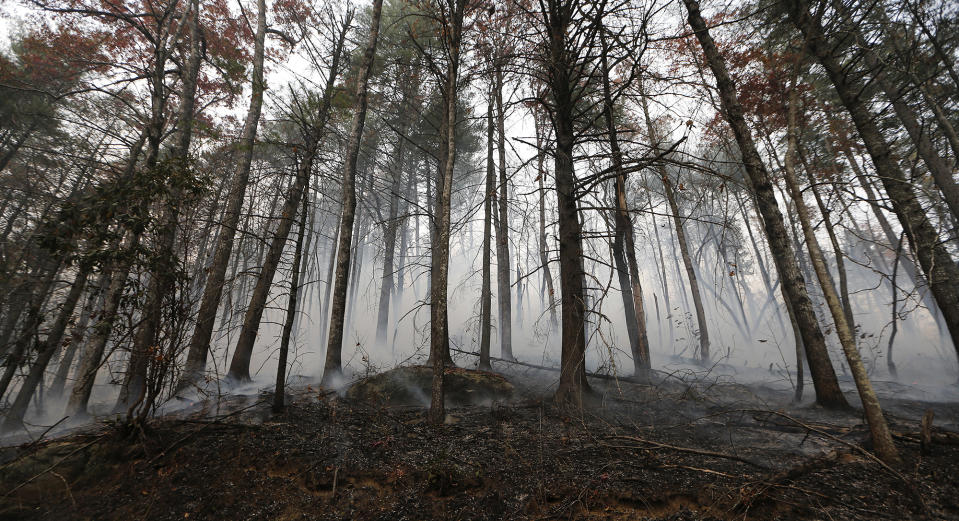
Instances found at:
x=672 y=451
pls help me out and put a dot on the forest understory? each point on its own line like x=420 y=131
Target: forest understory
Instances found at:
x=687 y=447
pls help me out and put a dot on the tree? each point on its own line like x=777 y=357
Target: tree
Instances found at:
x=206 y=316
x=452 y=14
x=280 y=389
x=828 y=393
x=565 y=38
x=332 y=370
x=624 y=246
x=939 y=266
x=882 y=440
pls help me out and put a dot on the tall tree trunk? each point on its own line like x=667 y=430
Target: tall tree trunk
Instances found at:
x=828 y=393
x=212 y=292
x=890 y=364
x=703 y=355
x=878 y=428
x=404 y=247
x=239 y=371
x=664 y=279
x=503 y=292
x=14 y=417
x=440 y=248
x=162 y=277
x=330 y=271
x=94 y=301
x=389 y=247
x=833 y=239
x=543 y=244
x=940 y=170
x=486 y=293
x=908 y=263
x=623 y=242
x=280 y=389
x=17 y=352
x=333 y=369
x=936 y=262
x=572 y=376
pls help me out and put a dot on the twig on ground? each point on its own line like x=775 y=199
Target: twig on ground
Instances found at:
x=51 y=467
x=689 y=450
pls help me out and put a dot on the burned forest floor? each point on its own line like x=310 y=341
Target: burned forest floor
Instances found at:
x=677 y=449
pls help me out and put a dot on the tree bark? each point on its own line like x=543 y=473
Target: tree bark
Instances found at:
x=940 y=268
x=503 y=291
x=162 y=276
x=878 y=428
x=14 y=416
x=543 y=244
x=833 y=238
x=828 y=393
x=15 y=355
x=213 y=290
x=332 y=370
x=440 y=249
x=77 y=333
x=941 y=173
x=624 y=249
x=572 y=378
x=486 y=292
x=239 y=371
x=389 y=241
x=279 y=391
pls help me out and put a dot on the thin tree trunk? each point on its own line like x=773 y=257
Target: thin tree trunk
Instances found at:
x=664 y=279
x=486 y=293
x=828 y=393
x=683 y=244
x=213 y=290
x=404 y=252
x=878 y=428
x=389 y=247
x=936 y=262
x=331 y=267
x=94 y=301
x=890 y=364
x=14 y=416
x=32 y=321
x=941 y=173
x=703 y=355
x=833 y=239
x=440 y=248
x=162 y=277
x=332 y=370
x=623 y=243
x=503 y=292
x=280 y=389
x=543 y=244
x=239 y=371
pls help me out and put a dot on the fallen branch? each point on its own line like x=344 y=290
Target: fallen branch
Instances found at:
x=853 y=446
x=917 y=497
x=215 y=421
x=548 y=368
x=810 y=465
x=689 y=450
x=51 y=467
